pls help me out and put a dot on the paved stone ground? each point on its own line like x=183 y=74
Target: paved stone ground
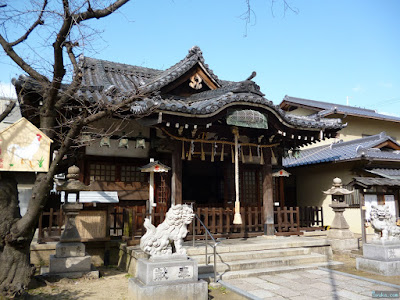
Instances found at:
x=309 y=284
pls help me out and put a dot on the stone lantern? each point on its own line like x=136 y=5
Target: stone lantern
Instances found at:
x=70 y=259
x=342 y=239
x=71 y=209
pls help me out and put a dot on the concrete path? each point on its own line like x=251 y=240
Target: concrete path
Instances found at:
x=310 y=284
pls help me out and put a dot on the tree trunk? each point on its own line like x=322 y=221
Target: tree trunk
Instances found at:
x=15 y=270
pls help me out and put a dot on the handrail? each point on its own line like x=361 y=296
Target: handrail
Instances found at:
x=207 y=232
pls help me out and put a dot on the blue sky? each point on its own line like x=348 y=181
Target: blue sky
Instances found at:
x=328 y=51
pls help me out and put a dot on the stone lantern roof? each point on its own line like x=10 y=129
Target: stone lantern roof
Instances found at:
x=337 y=188
x=72 y=185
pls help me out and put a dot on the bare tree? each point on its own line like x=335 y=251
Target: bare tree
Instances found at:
x=57 y=88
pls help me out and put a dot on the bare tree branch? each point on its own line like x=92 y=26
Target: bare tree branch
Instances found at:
x=98 y=13
x=20 y=61
x=39 y=21
x=8 y=109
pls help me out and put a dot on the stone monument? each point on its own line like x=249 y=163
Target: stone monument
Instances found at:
x=342 y=239
x=167 y=274
x=70 y=259
x=382 y=255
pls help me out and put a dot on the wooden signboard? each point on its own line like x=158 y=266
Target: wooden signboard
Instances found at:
x=24 y=148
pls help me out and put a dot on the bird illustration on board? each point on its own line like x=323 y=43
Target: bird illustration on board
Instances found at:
x=27 y=152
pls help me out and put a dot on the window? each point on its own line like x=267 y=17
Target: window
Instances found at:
x=102 y=172
x=353 y=199
x=132 y=174
x=99 y=171
x=251 y=187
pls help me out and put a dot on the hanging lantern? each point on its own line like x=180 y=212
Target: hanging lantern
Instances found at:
x=250 y=155
x=105 y=141
x=123 y=143
x=140 y=141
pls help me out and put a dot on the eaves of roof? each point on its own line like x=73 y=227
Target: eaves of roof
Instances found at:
x=325 y=109
x=345 y=151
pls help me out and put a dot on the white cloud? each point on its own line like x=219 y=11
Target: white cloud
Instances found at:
x=387 y=85
x=357 y=88
x=7 y=90
x=389 y=114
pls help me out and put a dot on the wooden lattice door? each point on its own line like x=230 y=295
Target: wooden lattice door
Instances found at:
x=163 y=193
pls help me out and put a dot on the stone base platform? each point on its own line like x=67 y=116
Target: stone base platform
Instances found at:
x=167 y=277
x=70 y=264
x=181 y=291
x=385 y=268
x=44 y=271
x=380 y=257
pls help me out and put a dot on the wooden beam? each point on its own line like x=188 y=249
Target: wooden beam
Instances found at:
x=268 y=201
x=176 y=180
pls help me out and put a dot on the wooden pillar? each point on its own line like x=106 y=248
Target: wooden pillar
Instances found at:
x=281 y=192
x=362 y=213
x=268 y=201
x=176 y=180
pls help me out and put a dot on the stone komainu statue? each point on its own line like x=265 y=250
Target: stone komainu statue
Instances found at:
x=157 y=241
x=384 y=222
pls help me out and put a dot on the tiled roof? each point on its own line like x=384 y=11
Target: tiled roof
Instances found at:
x=109 y=81
x=386 y=173
x=169 y=75
x=326 y=109
x=13 y=116
x=341 y=151
x=373 y=181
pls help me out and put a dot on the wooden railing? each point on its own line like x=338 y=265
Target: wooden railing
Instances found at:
x=311 y=218
x=127 y=222
x=287 y=221
x=50 y=225
x=217 y=220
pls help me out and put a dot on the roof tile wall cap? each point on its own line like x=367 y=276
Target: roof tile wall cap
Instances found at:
x=371 y=138
x=316 y=103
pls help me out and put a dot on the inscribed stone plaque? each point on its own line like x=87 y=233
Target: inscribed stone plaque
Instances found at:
x=172 y=273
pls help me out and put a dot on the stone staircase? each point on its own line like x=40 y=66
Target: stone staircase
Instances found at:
x=238 y=258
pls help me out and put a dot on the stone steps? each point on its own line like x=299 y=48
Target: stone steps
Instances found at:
x=209 y=276
x=260 y=256
x=245 y=255
x=256 y=244
x=249 y=264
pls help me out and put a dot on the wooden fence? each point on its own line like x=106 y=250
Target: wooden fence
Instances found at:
x=217 y=220
x=287 y=221
x=50 y=225
x=311 y=218
x=127 y=222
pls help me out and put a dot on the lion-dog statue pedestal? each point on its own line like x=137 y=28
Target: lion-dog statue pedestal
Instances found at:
x=382 y=255
x=167 y=274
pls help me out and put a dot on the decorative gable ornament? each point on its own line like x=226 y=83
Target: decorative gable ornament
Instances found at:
x=247 y=118
x=195 y=82
x=24 y=148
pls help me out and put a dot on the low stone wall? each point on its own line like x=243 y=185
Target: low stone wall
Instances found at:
x=128 y=256
x=102 y=253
